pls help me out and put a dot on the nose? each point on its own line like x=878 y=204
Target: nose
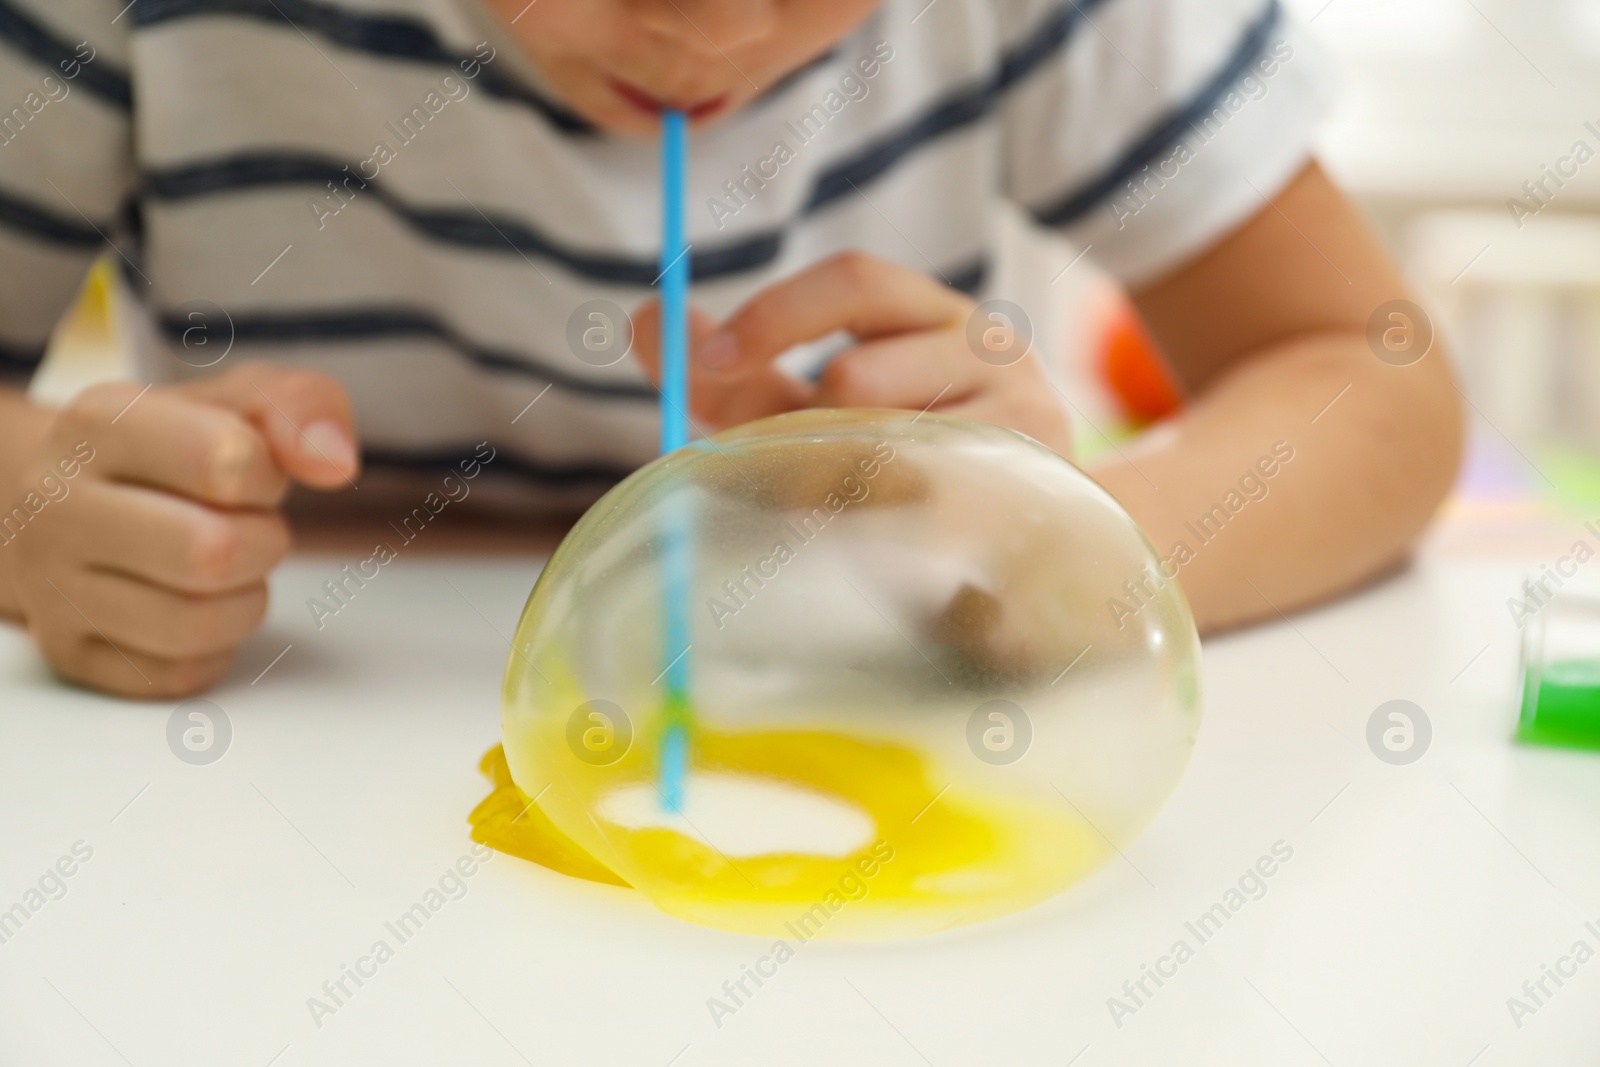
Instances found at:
x=709 y=24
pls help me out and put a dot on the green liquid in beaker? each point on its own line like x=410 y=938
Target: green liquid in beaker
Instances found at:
x=1561 y=705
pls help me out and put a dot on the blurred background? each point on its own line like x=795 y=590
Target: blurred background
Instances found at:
x=1470 y=131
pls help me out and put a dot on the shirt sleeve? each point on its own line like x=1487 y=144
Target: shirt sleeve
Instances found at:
x=66 y=171
x=1161 y=125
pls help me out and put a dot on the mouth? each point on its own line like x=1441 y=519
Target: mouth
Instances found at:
x=654 y=106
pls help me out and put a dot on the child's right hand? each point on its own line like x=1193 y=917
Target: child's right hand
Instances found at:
x=145 y=577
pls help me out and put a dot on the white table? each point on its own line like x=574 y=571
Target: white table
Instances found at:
x=219 y=898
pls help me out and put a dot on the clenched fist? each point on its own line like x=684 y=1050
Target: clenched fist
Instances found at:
x=138 y=536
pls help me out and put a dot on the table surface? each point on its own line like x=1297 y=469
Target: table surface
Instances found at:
x=217 y=899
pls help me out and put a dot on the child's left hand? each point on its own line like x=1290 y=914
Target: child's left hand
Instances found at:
x=911 y=352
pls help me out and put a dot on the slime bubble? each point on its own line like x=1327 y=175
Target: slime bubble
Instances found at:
x=934 y=675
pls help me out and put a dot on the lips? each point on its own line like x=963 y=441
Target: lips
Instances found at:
x=654 y=106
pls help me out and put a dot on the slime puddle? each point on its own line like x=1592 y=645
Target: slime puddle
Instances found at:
x=742 y=815
x=509 y=822
x=795 y=834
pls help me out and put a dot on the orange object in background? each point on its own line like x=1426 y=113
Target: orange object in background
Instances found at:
x=1133 y=368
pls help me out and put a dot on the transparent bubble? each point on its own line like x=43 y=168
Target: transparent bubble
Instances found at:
x=930 y=674
x=599 y=732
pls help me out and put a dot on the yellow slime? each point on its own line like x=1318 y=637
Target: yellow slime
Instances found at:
x=943 y=854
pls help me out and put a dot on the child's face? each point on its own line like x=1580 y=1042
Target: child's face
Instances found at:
x=620 y=62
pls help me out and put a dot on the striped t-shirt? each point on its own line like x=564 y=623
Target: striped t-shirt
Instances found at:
x=388 y=191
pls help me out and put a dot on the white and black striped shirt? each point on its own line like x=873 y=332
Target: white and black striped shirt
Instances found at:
x=385 y=190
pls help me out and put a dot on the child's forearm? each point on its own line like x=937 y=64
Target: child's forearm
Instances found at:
x=1307 y=470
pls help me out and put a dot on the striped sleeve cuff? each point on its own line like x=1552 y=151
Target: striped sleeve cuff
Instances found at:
x=1212 y=163
x=1145 y=177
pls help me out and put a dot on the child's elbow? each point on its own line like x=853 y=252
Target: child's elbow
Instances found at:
x=1429 y=418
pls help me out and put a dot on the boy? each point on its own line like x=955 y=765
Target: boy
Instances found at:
x=382 y=231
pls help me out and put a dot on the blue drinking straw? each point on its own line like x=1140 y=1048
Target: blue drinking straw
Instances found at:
x=677 y=556
x=674 y=284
